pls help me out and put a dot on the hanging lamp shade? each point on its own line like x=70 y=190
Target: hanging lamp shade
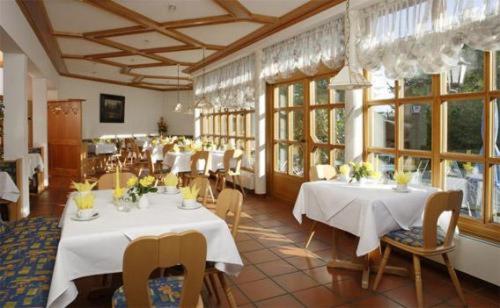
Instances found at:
x=178 y=107
x=347 y=79
x=203 y=103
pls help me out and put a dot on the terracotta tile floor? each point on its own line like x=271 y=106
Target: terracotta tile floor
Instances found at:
x=279 y=272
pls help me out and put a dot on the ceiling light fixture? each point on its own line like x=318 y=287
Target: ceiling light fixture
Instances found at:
x=348 y=78
x=203 y=102
x=178 y=105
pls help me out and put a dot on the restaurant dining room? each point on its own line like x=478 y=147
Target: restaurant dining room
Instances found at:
x=249 y=153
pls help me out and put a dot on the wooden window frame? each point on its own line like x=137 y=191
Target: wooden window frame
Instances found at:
x=484 y=226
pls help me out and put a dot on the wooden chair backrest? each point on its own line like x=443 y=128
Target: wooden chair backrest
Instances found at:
x=238 y=157
x=228 y=156
x=168 y=148
x=202 y=183
x=151 y=163
x=135 y=149
x=145 y=254
x=107 y=181
x=436 y=204
x=200 y=155
x=322 y=172
x=230 y=200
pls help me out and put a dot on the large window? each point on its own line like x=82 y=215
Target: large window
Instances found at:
x=444 y=129
x=235 y=127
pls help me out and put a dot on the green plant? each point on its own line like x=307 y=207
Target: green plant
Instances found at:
x=361 y=170
x=138 y=187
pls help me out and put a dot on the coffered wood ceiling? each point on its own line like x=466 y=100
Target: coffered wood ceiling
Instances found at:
x=140 y=42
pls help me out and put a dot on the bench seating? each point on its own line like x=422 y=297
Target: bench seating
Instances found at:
x=28 y=249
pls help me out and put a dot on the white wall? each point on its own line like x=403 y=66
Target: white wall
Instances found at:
x=143 y=108
x=178 y=123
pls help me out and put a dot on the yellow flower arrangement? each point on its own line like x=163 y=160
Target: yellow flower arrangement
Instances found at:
x=176 y=148
x=84 y=187
x=345 y=170
x=118 y=193
x=170 y=180
x=132 y=181
x=147 y=181
x=84 y=201
x=190 y=193
x=402 y=178
x=468 y=167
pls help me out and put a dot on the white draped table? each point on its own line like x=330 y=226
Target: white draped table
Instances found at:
x=156 y=151
x=102 y=148
x=35 y=162
x=8 y=189
x=181 y=161
x=367 y=211
x=96 y=247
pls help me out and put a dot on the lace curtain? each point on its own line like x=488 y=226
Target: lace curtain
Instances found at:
x=410 y=36
x=305 y=52
x=231 y=86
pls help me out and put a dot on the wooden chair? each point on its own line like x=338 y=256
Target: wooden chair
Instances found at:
x=322 y=172
x=145 y=254
x=168 y=148
x=228 y=201
x=220 y=174
x=428 y=240
x=203 y=185
x=107 y=181
x=318 y=173
x=195 y=158
x=235 y=172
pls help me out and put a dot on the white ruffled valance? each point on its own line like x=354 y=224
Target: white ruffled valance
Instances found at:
x=231 y=86
x=305 y=52
x=408 y=36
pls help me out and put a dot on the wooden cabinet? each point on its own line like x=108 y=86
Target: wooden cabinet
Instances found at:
x=65 y=137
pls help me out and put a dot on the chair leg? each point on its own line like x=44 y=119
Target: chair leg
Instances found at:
x=208 y=285
x=213 y=282
x=211 y=193
x=454 y=278
x=241 y=185
x=227 y=290
x=381 y=268
x=418 y=281
x=217 y=179
x=311 y=234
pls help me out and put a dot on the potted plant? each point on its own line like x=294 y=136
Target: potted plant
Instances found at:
x=138 y=188
x=402 y=179
x=360 y=171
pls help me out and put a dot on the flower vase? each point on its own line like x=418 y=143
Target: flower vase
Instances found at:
x=143 y=202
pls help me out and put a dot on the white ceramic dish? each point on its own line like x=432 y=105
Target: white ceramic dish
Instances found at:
x=92 y=217
x=190 y=207
x=172 y=192
x=405 y=190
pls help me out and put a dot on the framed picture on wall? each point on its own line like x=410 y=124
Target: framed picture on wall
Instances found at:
x=112 y=108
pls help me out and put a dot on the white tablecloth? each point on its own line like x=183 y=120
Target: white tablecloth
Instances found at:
x=8 y=189
x=96 y=247
x=102 y=148
x=156 y=151
x=181 y=161
x=35 y=162
x=368 y=211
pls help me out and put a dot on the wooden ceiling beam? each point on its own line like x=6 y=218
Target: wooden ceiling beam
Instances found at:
x=140 y=19
x=297 y=15
x=36 y=14
x=235 y=8
x=109 y=81
x=157 y=77
x=196 y=22
x=67 y=34
x=118 y=31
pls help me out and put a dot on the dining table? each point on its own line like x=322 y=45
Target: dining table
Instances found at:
x=368 y=211
x=102 y=148
x=8 y=189
x=181 y=161
x=96 y=247
x=35 y=163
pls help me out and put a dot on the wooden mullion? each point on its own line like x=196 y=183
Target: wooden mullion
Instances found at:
x=487 y=140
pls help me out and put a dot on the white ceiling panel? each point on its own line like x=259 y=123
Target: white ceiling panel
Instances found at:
x=77 y=46
x=223 y=34
x=146 y=40
x=170 y=70
x=187 y=55
x=96 y=70
x=168 y=10
x=170 y=82
x=131 y=60
x=77 y=16
x=275 y=8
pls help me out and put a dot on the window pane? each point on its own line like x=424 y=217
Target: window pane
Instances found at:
x=241 y=124
x=232 y=125
x=420 y=85
x=382 y=87
x=297 y=160
x=217 y=125
x=298 y=125
x=468 y=75
x=339 y=114
x=495 y=189
x=468 y=177
x=464 y=126
x=417 y=126
x=384 y=163
x=322 y=93
x=250 y=153
x=382 y=122
x=281 y=151
x=321 y=127
x=252 y=125
x=496 y=128
x=497 y=69
x=321 y=156
x=282 y=119
x=210 y=125
x=339 y=97
x=223 y=125
x=282 y=96
x=420 y=169
x=339 y=158
x=298 y=94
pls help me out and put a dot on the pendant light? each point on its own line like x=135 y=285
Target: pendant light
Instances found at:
x=348 y=78
x=178 y=105
x=203 y=102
